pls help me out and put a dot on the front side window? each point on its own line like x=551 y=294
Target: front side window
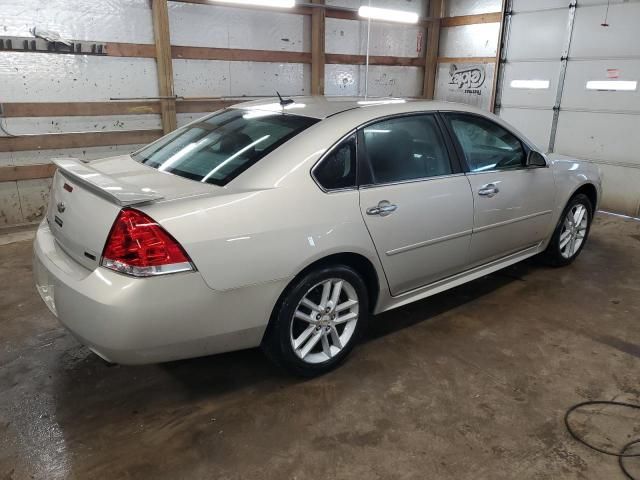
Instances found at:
x=221 y=146
x=338 y=169
x=485 y=144
x=406 y=148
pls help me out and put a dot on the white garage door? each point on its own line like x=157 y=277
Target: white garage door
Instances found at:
x=573 y=86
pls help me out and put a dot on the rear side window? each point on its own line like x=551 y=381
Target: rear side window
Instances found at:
x=406 y=148
x=220 y=147
x=338 y=169
x=485 y=144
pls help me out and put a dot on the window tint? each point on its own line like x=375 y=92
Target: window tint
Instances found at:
x=218 y=148
x=338 y=169
x=486 y=145
x=406 y=148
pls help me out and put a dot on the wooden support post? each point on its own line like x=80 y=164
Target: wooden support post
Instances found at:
x=317 y=49
x=160 y=12
x=431 y=51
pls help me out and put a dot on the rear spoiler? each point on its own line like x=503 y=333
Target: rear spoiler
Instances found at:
x=103 y=185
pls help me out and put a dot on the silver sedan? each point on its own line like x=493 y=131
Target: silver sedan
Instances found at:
x=287 y=224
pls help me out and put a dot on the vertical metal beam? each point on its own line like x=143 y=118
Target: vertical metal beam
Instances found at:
x=160 y=13
x=501 y=56
x=564 y=59
x=436 y=8
x=317 y=48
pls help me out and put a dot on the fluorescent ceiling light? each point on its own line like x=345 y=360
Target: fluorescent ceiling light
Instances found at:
x=263 y=3
x=624 y=85
x=530 y=84
x=387 y=14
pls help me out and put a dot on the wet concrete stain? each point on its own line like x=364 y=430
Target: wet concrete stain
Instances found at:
x=469 y=384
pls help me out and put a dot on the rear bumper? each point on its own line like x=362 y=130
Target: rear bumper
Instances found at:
x=148 y=320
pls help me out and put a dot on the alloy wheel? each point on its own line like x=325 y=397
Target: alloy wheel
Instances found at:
x=324 y=320
x=574 y=230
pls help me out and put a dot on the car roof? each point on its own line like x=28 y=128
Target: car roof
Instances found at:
x=322 y=107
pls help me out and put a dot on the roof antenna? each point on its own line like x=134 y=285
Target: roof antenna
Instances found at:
x=284 y=102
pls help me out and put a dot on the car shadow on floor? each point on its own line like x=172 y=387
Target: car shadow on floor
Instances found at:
x=217 y=375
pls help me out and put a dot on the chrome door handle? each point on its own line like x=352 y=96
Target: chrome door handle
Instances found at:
x=488 y=190
x=383 y=209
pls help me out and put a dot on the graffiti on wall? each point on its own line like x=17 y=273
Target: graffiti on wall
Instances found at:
x=470 y=79
x=468 y=83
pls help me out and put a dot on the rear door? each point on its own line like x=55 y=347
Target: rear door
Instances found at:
x=513 y=203
x=416 y=204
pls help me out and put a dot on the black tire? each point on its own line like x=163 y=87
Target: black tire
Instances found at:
x=553 y=255
x=277 y=342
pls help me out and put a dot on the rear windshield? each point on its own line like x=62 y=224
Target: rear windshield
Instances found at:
x=220 y=147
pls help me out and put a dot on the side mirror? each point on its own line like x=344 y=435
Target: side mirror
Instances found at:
x=536 y=159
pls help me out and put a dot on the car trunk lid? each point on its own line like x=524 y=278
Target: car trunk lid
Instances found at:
x=86 y=198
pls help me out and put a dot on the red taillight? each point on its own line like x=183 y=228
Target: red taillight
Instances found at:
x=138 y=246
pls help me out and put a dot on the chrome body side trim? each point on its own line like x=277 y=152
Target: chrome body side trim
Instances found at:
x=513 y=220
x=428 y=242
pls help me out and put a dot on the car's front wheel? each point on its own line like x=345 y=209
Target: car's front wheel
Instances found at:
x=318 y=321
x=571 y=232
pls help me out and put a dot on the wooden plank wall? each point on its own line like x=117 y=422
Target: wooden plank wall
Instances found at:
x=163 y=52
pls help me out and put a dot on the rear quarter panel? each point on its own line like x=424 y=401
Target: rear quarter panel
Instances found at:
x=262 y=235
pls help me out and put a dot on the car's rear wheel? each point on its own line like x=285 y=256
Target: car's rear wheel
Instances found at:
x=571 y=232
x=318 y=321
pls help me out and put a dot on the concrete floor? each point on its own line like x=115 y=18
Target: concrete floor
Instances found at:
x=470 y=384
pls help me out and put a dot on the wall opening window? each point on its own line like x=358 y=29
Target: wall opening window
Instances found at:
x=613 y=85
x=530 y=84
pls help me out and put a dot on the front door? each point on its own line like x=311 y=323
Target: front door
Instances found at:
x=513 y=203
x=417 y=208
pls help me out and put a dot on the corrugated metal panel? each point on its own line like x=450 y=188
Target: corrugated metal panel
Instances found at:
x=471 y=7
x=201 y=78
x=480 y=40
x=227 y=27
x=620 y=39
x=530 y=5
x=251 y=78
x=20 y=125
x=465 y=83
x=585 y=129
x=620 y=187
x=10 y=212
x=607 y=137
x=45 y=156
x=105 y=21
x=184 y=118
x=548 y=71
x=50 y=77
x=576 y=94
x=34 y=196
x=383 y=80
x=213 y=78
x=350 y=37
x=537 y=35
x=535 y=124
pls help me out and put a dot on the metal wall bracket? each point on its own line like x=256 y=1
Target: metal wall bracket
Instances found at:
x=40 y=45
